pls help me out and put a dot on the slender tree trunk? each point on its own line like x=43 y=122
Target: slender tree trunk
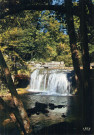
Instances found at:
x=14 y=65
x=9 y=109
x=23 y=118
x=72 y=37
x=87 y=90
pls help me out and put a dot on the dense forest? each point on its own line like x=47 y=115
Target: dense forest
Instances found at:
x=44 y=31
x=35 y=35
x=39 y=36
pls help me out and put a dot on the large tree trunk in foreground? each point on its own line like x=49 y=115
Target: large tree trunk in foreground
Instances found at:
x=87 y=92
x=72 y=37
x=23 y=118
x=12 y=110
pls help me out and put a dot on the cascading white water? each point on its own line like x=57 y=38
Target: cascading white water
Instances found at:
x=50 y=82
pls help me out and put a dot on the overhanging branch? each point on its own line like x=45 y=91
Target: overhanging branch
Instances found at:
x=16 y=8
x=10 y=7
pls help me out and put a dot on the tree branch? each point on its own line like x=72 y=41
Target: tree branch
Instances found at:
x=13 y=8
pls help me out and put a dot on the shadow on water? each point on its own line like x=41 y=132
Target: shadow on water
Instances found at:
x=64 y=128
x=53 y=115
x=50 y=115
x=50 y=105
x=49 y=110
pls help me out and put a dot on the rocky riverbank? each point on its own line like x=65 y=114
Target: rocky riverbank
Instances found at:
x=52 y=64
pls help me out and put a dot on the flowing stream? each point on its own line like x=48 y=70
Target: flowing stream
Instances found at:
x=50 y=99
x=52 y=82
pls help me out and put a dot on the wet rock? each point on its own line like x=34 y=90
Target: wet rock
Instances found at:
x=39 y=108
x=60 y=106
x=63 y=115
x=52 y=106
x=21 y=81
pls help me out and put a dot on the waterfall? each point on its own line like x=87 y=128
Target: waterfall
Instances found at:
x=51 y=81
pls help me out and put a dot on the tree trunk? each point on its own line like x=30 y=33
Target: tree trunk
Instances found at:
x=72 y=37
x=87 y=92
x=8 y=109
x=23 y=118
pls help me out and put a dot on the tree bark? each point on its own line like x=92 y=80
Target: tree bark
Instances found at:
x=9 y=109
x=23 y=118
x=72 y=37
x=87 y=90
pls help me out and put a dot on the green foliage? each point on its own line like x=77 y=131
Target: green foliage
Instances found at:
x=64 y=54
x=33 y=35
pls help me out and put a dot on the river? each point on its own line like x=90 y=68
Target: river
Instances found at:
x=51 y=100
